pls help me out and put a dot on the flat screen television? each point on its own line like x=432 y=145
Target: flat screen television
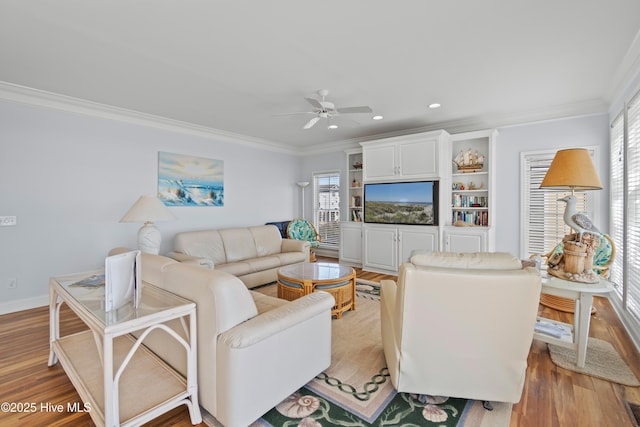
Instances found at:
x=414 y=203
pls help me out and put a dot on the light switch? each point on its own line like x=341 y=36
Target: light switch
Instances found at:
x=7 y=220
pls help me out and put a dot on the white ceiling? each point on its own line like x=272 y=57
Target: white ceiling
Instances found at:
x=232 y=65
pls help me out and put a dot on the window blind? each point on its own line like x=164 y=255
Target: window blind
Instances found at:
x=616 y=203
x=632 y=208
x=327 y=208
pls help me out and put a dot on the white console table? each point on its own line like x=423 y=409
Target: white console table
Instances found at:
x=582 y=293
x=121 y=381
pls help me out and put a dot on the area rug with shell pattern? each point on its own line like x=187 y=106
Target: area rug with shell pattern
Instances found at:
x=356 y=390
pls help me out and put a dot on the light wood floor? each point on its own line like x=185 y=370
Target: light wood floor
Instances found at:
x=552 y=396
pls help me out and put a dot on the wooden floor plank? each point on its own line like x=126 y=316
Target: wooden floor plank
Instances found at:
x=552 y=396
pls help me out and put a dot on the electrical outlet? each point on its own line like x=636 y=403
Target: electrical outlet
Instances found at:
x=7 y=220
x=12 y=283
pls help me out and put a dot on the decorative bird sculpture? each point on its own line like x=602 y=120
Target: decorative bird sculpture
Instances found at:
x=579 y=222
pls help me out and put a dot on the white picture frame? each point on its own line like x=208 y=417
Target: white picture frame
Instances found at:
x=122 y=280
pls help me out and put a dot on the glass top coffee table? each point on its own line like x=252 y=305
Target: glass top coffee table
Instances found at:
x=298 y=280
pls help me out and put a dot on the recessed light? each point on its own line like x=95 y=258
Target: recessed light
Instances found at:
x=333 y=126
x=377 y=117
x=434 y=105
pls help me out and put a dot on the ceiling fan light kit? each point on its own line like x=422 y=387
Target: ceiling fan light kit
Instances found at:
x=323 y=109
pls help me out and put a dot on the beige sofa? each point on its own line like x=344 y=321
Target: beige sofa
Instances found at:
x=253 y=350
x=460 y=325
x=253 y=254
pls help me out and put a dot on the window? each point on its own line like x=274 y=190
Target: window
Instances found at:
x=542 y=223
x=326 y=191
x=625 y=212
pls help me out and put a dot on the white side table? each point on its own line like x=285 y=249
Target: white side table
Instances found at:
x=121 y=381
x=582 y=293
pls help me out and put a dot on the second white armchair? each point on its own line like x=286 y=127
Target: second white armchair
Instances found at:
x=460 y=325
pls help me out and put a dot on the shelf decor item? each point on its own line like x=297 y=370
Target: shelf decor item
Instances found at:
x=574 y=169
x=468 y=161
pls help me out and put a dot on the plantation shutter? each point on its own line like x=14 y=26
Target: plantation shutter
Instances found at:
x=632 y=282
x=327 y=208
x=616 y=192
x=543 y=222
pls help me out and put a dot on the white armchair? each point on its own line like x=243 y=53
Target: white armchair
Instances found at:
x=460 y=325
x=253 y=350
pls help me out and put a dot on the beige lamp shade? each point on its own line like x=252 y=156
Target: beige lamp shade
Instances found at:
x=148 y=209
x=572 y=168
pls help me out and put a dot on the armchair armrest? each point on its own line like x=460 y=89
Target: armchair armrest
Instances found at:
x=267 y=324
x=290 y=245
x=192 y=260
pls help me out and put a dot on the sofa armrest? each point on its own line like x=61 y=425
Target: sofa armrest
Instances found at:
x=290 y=245
x=192 y=260
x=281 y=318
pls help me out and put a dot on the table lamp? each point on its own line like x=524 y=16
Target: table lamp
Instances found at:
x=573 y=169
x=148 y=209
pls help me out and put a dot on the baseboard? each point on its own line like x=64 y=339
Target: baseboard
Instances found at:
x=630 y=324
x=326 y=252
x=24 y=304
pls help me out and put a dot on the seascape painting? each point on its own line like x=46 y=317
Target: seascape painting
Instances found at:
x=190 y=181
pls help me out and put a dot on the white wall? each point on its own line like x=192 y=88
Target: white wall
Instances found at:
x=69 y=178
x=551 y=135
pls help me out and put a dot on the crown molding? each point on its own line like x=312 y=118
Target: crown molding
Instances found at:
x=40 y=98
x=35 y=97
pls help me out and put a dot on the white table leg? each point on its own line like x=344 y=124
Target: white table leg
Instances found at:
x=192 y=370
x=111 y=413
x=583 y=317
x=54 y=324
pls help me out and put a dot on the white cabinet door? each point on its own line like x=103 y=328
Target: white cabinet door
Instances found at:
x=380 y=248
x=411 y=239
x=351 y=243
x=418 y=159
x=379 y=162
x=465 y=241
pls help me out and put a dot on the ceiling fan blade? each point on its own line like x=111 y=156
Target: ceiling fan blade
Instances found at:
x=311 y=122
x=314 y=102
x=293 y=114
x=351 y=110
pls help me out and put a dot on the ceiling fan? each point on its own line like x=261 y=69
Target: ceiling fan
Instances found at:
x=323 y=109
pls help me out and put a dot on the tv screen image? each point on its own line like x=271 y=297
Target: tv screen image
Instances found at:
x=414 y=203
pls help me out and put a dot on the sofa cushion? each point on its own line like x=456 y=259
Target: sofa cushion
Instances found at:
x=267 y=239
x=215 y=293
x=153 y=267
x=263 y=263
x=239 y=268
x=287 y=258
x=266 y=303
x=238 y=244
x=203 y=244
x=477 y=261
x=281 y=226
